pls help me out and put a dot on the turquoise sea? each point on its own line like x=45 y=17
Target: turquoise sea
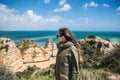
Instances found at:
x=41 y=36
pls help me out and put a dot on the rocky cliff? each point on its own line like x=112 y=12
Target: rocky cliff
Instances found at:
x=51 y=47
x=27 y=51
x=31 y=52
x=10 y=55
x=102 y=55
x=111 y=62
x=96 y=44
x=25 y=44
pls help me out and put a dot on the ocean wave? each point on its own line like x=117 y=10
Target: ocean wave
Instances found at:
x=43 y=37
x=42 y=44
x=115 y=40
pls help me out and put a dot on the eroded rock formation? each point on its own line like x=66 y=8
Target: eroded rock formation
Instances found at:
x=10 y=55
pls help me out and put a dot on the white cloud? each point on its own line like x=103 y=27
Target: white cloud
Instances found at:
x=118 y=9
x=105 y=5
x=93 y=4
x=84 y=20
x=47 y=1
x=85 y=5
x=4 y=10
x=62 y=2
x=28 y=20
x=66 y=7
x=63 y=6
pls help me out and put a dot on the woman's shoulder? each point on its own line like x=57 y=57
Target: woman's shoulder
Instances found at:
x=69 y=51
x=73 y=48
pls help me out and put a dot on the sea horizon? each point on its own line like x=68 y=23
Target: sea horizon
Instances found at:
x=41 y=36
x=57 y=30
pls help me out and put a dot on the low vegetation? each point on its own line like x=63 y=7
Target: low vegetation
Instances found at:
x=112 y=61
x=6 y=74
x=25 y=44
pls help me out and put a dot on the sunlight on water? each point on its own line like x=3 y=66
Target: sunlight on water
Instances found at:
x=115 y=40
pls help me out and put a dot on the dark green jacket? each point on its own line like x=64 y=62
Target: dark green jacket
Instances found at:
x=67 y=67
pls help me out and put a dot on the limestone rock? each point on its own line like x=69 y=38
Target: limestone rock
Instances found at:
x=31 y=52
x=10 y=55
x=25 y=44
x=51 y=47
x=97 y=43
x=36 y=54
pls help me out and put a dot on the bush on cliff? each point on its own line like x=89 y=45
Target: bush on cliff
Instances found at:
x=32 y=73
x=27 y=73
x=91 y=56
x=6 y=74
x=95 y=57
x=112 y=61
x=25 y=44
x=92 y=36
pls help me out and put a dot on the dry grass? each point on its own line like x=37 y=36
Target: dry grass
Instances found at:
x=6 y=74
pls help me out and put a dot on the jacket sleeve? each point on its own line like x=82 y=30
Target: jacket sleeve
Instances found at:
x=69 y=66
x=75 y=66
x=64 y=73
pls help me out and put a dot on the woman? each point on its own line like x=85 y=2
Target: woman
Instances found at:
x=67 y=60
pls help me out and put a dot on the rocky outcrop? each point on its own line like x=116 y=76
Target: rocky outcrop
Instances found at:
x=32 y=53
x=95 y=49
x=97 y=44
x=10 y=55
x=101 y=54
x=35 y=54
x=112 y=61
x=27 y=51
x=25 y=44
x=50 y=47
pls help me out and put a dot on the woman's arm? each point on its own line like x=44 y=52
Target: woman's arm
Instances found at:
x=64 y=73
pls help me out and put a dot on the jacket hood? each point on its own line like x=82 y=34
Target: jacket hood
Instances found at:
x=65 y=45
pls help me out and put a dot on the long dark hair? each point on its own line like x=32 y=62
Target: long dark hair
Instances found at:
x=69 y=37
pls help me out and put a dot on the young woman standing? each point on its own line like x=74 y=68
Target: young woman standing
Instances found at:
x=67 y=60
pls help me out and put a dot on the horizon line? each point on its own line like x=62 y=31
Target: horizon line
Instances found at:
x=57 y=30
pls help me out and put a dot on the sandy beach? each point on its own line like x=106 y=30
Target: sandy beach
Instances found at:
x=43 y=64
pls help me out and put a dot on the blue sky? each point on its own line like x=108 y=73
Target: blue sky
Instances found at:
x=80 y=15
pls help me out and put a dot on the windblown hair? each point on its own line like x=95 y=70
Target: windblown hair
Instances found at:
x=69 y=37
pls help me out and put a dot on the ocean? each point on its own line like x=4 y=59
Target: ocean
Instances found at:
x=41 y=36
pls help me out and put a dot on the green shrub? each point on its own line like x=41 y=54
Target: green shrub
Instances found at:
x=6 y=74
x=91 y=56
x=86 y=74
x=92 y=36
x=112 y=61
x=27 y=73
x=41 y=78
x=32 y=69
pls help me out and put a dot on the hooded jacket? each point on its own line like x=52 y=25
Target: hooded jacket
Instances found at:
x=67 y=67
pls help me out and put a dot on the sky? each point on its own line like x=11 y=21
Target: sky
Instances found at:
x=78 y=15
